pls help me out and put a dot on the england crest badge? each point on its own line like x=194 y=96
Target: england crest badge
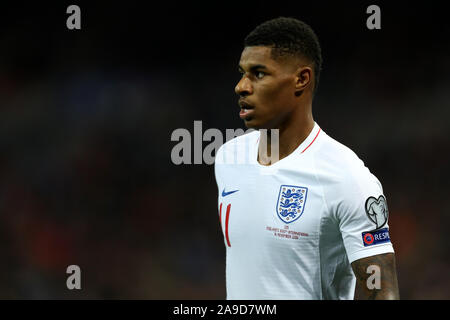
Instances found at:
x=291 y=202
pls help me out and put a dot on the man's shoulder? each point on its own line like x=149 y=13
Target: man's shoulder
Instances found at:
x=340 y=170
x=339 y=151
x=338 y=158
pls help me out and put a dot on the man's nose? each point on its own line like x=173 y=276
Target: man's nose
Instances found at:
x=244 y=87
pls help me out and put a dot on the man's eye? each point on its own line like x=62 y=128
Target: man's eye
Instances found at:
x=260 y=74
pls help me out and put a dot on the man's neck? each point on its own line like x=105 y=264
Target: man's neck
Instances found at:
x=289 y=138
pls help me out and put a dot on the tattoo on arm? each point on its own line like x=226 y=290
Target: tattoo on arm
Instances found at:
x=386 y=287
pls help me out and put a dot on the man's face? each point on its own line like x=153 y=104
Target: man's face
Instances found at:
x=267 y=88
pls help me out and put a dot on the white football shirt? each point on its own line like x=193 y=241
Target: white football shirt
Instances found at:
x=292 y=229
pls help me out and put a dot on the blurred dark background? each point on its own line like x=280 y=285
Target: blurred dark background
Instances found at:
x=86 y=117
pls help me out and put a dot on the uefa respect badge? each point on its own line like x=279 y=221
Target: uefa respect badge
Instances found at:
x=372 y=238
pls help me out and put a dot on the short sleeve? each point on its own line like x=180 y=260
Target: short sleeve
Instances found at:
x=362 y=214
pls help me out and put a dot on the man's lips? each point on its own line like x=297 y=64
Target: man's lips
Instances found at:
x=246 y=109
x=245 y=113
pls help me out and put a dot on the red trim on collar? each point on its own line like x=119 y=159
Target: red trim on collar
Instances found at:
x=311 y=141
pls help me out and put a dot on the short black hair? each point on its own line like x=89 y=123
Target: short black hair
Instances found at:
x=288 y=36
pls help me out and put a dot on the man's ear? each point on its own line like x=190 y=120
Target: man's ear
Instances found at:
x=303 y=79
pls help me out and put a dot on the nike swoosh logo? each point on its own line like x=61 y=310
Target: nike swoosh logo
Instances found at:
x=224 y=194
